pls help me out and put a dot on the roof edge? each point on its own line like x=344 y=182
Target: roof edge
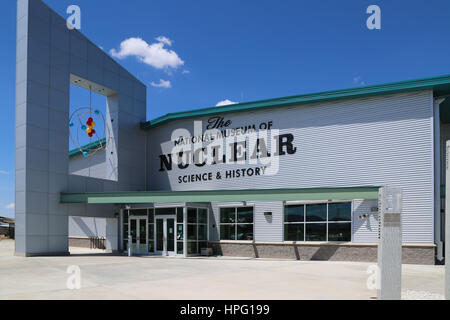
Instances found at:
x=358 y=92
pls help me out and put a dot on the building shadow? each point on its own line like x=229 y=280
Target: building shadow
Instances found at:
x=324 y=253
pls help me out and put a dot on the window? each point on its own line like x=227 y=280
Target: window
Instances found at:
x=180 y=231
x=151 y=230
x=126 y=215
x=340 y=221
x=294 y=223
x=125 y=231
x=318 y=222
x=197 y=229
x=236 y=223
x=165 y=211
x=91 y=144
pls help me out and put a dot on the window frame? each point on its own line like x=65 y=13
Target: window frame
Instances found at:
x=327 y=222
x=197 y=224
x=236 y=223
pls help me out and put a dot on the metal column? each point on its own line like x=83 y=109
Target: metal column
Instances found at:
x=447 y=222
x=390 y=244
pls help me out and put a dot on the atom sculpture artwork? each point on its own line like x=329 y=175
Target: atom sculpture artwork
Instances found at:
x=83 y=122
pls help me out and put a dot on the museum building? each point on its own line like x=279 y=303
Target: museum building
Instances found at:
x=295 y=177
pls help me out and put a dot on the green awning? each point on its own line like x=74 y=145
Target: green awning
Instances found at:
x=223 y=195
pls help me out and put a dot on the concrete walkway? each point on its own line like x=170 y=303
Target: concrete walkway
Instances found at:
x=119 y=277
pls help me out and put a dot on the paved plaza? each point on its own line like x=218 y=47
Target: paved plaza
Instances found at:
x=105 y=276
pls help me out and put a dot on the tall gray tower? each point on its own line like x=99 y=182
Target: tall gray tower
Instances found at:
x=49 y=58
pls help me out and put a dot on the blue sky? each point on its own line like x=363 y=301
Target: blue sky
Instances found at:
x=245 y=50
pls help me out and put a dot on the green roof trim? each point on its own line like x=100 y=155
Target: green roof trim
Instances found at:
x=349 y=193
x=87 y=147
x=440 y=85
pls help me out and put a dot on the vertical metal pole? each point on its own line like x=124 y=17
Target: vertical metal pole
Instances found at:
x=390 y=244
x=120 y=226
x=437 y=182
x=130 y=253
x=185 y=249
x=447 y=222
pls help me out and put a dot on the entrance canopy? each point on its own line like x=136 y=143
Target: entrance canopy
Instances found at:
x=312 y=194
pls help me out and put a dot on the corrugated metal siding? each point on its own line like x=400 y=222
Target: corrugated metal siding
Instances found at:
x=268 y=229
x=445 y=135
x=365 y=230
x=386 y=140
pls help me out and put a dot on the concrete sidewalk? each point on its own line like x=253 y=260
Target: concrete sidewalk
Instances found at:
x=119 y=277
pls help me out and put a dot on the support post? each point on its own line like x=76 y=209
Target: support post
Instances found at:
x=390 y=243
x=130 y=253
x=447 y=222
x=437 y=181
x=185 y=249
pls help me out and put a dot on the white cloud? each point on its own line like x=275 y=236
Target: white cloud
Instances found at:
x=164 y=40
x=358 y=80
x=3 y=172
x=155 y=54
x=185 y=72
x=225 y=102
x=10 y=206
x=162 y=84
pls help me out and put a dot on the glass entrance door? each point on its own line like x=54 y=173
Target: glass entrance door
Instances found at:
x=138 y=232
x=165 y=235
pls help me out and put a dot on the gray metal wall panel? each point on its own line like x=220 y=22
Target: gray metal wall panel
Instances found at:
x=87 y=227
x=92 y=166
x=268 y=229
x=385 y=140
x=445 y=135
x=95 y=227
x=365 y=230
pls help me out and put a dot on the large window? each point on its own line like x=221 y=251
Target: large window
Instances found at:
x=125 y=231
x=180 y=231
x=197 y=229
x=151 y=230
x=318 y=222
x=236 y=223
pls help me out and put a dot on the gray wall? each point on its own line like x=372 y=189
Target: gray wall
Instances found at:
x=385 y=140
x=92 y=166
x=87 y=227
x=365 y=230
x=48 y=54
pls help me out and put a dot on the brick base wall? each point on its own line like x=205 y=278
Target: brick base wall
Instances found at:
x=326 y=252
